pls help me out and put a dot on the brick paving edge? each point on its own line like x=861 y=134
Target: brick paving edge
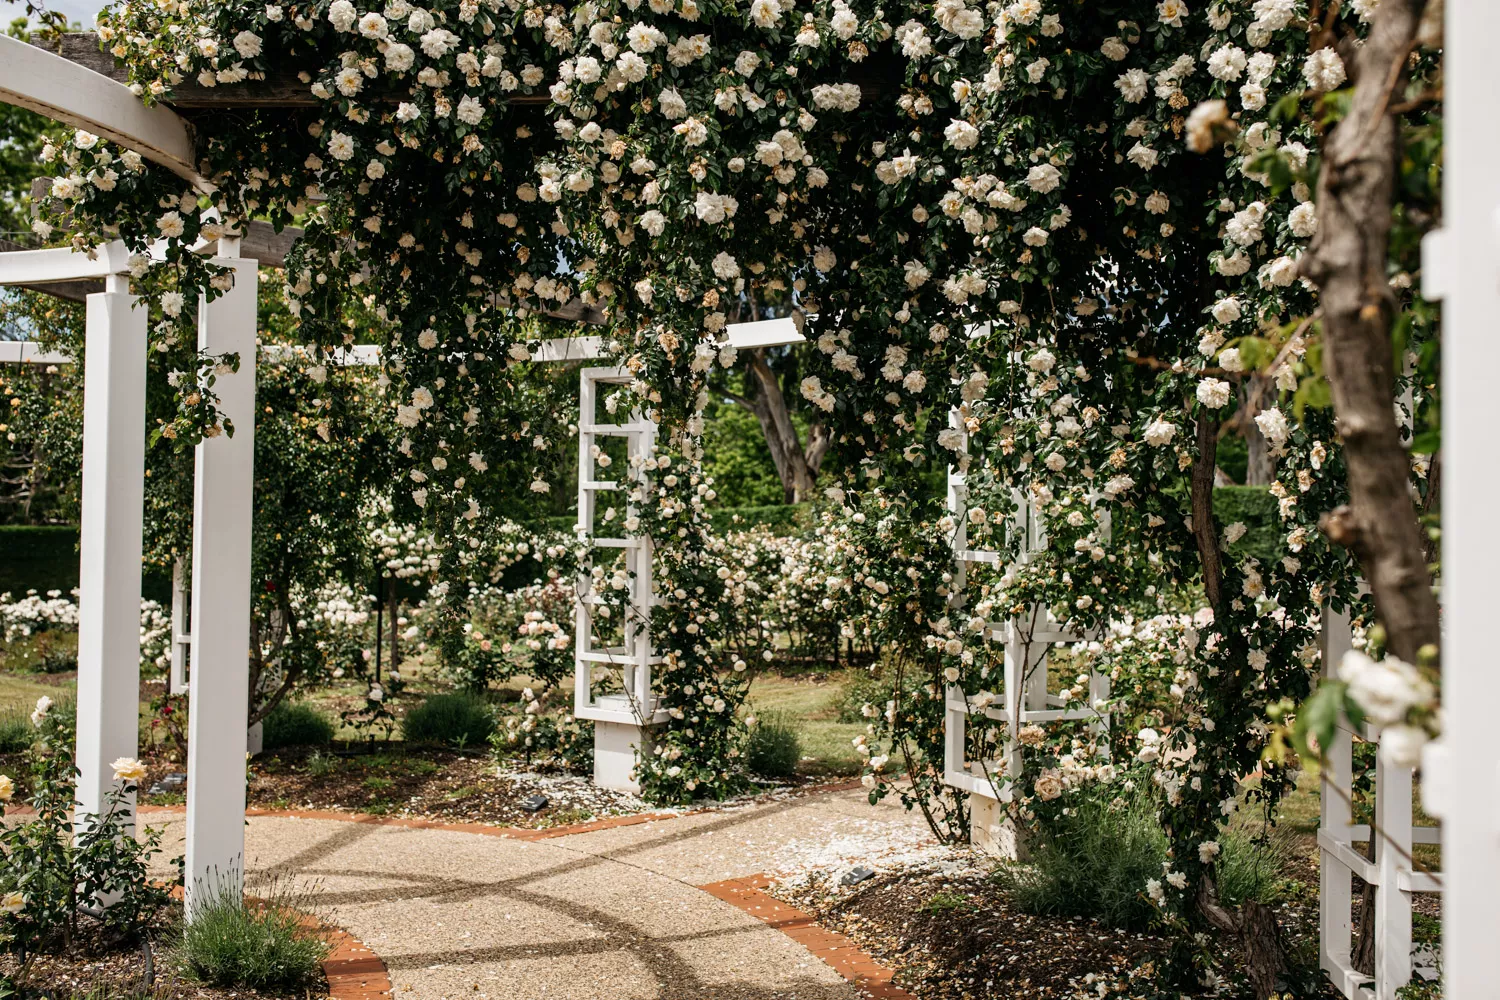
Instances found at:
x=835 y=950
x=353 y=970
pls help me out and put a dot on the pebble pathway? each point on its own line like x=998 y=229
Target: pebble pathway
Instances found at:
x=628 y=912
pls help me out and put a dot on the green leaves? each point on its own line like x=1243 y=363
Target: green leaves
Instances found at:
x=1319 y=717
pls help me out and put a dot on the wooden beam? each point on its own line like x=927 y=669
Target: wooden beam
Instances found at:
x=280 y=90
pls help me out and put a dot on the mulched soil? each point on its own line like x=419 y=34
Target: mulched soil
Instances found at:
x=96 y=968
x=950 y=934
x=393 y=780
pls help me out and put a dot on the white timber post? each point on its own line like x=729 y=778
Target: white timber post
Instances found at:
x=219 y=697
x=1462 y=267
x=181 y=638
x=622 y=722
x=1334 y=892
x=113 y=498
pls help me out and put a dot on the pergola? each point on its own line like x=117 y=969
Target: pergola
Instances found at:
x=82 y=87
x=69 y=91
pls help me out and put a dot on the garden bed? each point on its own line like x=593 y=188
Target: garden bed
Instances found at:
x=100 y=968
x=431 y=783
x=951 y=934
x=951 y=931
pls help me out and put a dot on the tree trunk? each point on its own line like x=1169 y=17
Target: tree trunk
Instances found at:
x=1205 y=470
x=1347 y=260
x=1260 y=469
x=1254 y=926
x=796 y=465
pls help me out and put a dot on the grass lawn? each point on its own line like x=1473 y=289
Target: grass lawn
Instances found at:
x=811 y=702
x=18 y=693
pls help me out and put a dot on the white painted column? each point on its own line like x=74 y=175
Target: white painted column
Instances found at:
x=177 y=682
x=1336 y=927
x=109 y=600
x=219 y=692
x=1471 y=547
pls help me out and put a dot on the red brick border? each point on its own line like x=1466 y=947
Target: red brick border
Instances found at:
x=353 y=970
x=834 y=949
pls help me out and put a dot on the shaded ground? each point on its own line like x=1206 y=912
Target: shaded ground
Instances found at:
x=445 y=785
x=96 y=968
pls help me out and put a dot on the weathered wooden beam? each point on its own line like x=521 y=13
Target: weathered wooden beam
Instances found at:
x=280 y=90
x=878 y=77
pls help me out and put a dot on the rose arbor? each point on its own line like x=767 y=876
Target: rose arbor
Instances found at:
x=727 y=152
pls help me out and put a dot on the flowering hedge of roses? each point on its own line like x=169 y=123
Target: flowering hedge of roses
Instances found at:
x=1079 y=223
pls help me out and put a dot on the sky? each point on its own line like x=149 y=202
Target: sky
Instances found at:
x=80 y=11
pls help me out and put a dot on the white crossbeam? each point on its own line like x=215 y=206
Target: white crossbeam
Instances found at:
x=41 y=81
x=23 y=352
x=39 y=267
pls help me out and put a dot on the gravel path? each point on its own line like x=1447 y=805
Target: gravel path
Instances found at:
x=610 y=914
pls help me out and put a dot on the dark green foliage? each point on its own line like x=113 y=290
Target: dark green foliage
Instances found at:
x=772 y=747
x=781 y=519
x=295 y=724
x=231 y=944
x=1095 y=862
x=1256 y=508
x=737 y=457
x=458 y=718
x=1092 y=863
x=38 y=557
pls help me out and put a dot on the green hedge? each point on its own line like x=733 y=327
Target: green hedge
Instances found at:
x=781 y=519
x=44 y=557
x=1257 y=508
x=38 y=557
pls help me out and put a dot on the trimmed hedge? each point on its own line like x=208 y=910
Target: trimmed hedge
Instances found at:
x=38 y=557
x=44 y=557
x=1257 y=509
x=781 y=518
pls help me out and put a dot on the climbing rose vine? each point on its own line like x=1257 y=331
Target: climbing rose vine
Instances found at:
x=1078 y=224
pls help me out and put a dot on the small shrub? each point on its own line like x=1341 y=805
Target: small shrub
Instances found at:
x=458 y=718
x=230 y=944
x=1092 y=863
x=320 y=764
x=870 y=687
x=1249 y=868
x=773 y=748
x=17 y=733
x=295 y=724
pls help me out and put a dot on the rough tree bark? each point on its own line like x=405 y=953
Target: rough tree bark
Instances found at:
x=796 y=464
x=1252 y=924
x=1254 y=391
x=1347 y=261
